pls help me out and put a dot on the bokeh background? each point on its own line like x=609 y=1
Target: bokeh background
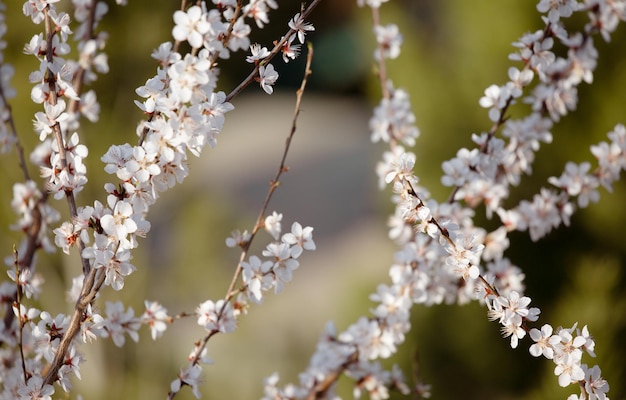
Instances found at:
x=452 y=51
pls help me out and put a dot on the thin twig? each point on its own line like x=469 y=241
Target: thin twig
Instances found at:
x=17 y=305
x=18 y=146
x=261 y=217
x=281 y=168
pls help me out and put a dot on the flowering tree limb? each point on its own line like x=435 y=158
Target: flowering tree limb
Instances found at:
x=443 y=255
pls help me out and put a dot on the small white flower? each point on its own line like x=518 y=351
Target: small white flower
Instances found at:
x=258 y=53
x=190 y=26
x=300 y=239
x=216 y=316
x=297 y=24
x=389 y=39
x=267 y=78
x=238 y=238
x=542 y=344
x=119 y=322
x=272 y=224
x=256 y=276
x=191 y=376
x=495 y=99
x=155 y=317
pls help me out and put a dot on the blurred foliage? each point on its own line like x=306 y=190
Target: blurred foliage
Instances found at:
x=452 y=51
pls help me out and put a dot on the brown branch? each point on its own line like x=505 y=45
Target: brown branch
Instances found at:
x=260 y=218
x=18 y=146
x=91 y=284
x=320 y=390
x=281 y=168
x=17 y=305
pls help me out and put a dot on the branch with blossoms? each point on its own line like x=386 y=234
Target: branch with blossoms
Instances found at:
x=257 y=275
x=443 y=257
x=440 y=249
x=185 y=112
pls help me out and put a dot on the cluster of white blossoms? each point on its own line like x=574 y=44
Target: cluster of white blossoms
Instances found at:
x=28 y=333
x=280 y=260
x=486 y=175
x=443 y=257
x=289 y=49
x=184 y=113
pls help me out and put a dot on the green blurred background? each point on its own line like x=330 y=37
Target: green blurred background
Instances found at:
x=452 y=51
